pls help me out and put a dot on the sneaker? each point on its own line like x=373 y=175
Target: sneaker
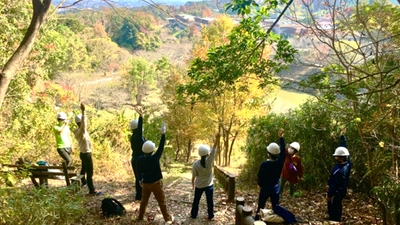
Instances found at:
x=96 y=192
x=172 y=220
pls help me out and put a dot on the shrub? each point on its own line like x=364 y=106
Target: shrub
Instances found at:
x=40 y=206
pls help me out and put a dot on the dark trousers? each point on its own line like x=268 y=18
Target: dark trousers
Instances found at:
x=198 y=192
x=65 y=154
x=273 y=193
x=335 y=207
x=87 y=170
x=137 y=184
x=291 y=187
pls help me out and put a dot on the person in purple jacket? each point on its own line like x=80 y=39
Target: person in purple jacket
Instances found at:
x=149 y=172
x=338 y=180
x=269 y=174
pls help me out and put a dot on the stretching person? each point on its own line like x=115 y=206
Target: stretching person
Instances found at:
x=269 y=174
x=85 y=146
x=63 y=138
x=202 y=178
x=338 y=179
x=137 y=141
x=149 y=173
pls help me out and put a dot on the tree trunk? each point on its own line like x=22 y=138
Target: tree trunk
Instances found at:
x=40 y=11
x=231 y=147
x=189 y=150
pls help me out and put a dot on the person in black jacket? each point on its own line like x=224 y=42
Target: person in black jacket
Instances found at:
x=149 y=172
x=338 y=179
x=137 y=141
x=269 y=174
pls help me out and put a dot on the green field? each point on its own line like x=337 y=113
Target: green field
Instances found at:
x=286 y=100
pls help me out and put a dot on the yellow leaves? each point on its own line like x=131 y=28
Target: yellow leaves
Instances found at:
x=381 y=144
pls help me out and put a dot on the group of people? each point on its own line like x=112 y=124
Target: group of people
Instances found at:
x=148 y=175
x=283 y=165
x=65 y=147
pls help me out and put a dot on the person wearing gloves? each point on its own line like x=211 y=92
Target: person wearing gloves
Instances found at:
x=85 y=146
x=149 y=172
x=269 y=174
x=292 y=170
x=137 y=141
x=202 y=178
x=338 y=179
x=63 y=138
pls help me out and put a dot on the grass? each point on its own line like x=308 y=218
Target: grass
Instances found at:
x=286 y=100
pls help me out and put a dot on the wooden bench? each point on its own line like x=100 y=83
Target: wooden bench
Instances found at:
x=43 y=173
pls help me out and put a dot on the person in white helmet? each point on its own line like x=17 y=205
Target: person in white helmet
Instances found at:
x=202 y=178
x=269 y=174
x=150 y=175
x=85 y=154
x=292 y=170
x=137 y=141
x=63 y=138
x=338 y=180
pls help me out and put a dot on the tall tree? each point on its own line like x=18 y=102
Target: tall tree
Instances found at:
x=40 y=11
x=140 y=78
x=361 y=78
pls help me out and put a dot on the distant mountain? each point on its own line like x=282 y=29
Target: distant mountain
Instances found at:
x=122 y=3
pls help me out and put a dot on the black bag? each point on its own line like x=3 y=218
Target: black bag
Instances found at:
x=112 y=207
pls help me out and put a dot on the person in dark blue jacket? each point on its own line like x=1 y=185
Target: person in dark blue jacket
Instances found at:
x=269 y=174
x=338 y=180
x=137 y=141
x=149 y=172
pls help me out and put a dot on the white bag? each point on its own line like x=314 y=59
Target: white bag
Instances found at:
x=268 y=215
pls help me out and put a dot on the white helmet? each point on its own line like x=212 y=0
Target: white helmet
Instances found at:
x=273 y=148
x=78 y=118
x=341 y=151
x=133 y=124
x=295 y=145
x=204 y=150
x=148 y=147
x=61 y=116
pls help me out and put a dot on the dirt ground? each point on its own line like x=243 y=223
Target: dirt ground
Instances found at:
x=310 y=207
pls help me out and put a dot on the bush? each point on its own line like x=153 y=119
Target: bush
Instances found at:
x=317 y=128
x=40 y=206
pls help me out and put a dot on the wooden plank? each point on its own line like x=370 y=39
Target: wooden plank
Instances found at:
x=39 y=167
x=46 y=173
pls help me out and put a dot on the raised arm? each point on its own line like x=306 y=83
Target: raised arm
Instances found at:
x=343 y=142
x=216 y=144
x=282 y=153
x=83 y=120
x=160 y=149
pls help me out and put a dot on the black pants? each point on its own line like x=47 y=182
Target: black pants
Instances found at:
x=272 y=193
x=87 y=170
x=196 y=200
x=65 y=154
x=335 y=207
x=137 y=184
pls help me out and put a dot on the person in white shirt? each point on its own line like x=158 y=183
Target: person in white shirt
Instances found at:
x=202 y=178
x=85 y=146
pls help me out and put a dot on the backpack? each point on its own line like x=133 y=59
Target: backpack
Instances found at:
x=285 y=214
x=112 y=207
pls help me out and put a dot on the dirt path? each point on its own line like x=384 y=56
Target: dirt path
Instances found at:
x=179 y=195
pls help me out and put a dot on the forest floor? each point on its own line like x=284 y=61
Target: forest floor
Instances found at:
x=311 y=207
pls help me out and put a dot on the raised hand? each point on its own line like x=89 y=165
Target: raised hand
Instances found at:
x=163 y=128
x=343 y=132
x=281 y=132
x=82 y=107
